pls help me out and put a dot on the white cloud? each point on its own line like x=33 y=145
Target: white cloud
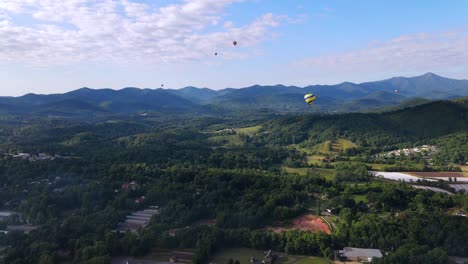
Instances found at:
x=124 y=31
x=441 y=52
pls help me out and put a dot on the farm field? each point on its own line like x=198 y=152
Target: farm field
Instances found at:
x=308 y=222
x=244 y=255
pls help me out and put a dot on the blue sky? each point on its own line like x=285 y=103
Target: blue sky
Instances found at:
x=57 y=46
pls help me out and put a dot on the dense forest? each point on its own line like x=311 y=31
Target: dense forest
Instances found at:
x=67 y=178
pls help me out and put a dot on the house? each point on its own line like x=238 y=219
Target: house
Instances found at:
x=460 y=213
x=358 y=254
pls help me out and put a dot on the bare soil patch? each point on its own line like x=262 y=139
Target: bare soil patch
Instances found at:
x=308 y=222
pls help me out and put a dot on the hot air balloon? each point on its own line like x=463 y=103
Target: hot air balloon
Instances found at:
x=216 y=53
x=310 y=98
x=396 y=91
x=234 y=43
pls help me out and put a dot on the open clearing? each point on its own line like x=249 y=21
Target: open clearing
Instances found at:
x=244 y=255
x=308 y=222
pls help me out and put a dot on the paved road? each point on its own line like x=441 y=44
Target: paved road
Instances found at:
x=123 y=260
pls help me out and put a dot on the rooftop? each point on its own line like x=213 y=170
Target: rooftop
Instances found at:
x=351 y=252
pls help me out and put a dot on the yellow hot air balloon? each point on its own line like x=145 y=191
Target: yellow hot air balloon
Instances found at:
x=310 y=98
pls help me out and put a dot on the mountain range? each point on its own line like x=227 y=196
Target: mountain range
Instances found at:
x=343 y=97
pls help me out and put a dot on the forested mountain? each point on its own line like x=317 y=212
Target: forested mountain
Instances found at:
x=344 y=97
x=376 y=130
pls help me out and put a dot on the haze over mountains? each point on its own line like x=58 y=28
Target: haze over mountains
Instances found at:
x=343 y=97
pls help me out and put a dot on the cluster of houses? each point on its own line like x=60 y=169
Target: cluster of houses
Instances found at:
x=20 y=226
x=424 y=149
x=137 y=220
x=36 y=157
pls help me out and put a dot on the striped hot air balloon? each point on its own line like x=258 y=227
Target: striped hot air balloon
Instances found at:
x=310 y=98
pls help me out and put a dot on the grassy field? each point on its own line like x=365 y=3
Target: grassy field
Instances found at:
x=359 y=198
x=377 y=166
x=248 y=130
x=244 y=255
x=300 y=171
x=311 y=159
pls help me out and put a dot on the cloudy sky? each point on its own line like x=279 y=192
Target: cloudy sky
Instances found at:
x=53 y=46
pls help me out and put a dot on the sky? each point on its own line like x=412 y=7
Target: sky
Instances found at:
x=55 y=46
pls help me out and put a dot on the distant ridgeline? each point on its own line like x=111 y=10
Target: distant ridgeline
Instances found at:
x=344 y=97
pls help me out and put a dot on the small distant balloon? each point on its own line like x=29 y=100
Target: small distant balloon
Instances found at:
x=162 y=85
x=396 y=91
x=216 y=53
x=234 y=43
x=310 y=98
